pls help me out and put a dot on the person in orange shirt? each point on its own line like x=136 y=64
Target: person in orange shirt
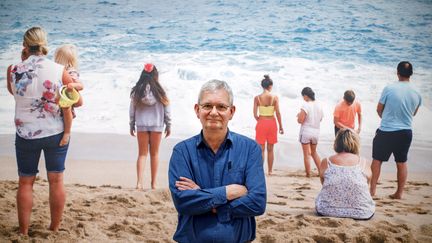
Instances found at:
x=346 y=111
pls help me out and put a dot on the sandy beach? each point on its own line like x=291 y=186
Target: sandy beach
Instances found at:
x=103 y=206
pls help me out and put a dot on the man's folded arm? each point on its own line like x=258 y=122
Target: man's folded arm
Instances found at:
x=254 y=202
x=192 y=201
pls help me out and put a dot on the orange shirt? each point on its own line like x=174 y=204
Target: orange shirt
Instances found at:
x=347 y=113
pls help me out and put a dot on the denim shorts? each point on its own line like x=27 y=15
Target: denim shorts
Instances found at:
x=28 y=153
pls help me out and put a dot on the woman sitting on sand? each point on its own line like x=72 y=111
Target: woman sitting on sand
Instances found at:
x=345 y=177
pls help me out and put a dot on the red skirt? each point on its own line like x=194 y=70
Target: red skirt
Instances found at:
x=266 y=131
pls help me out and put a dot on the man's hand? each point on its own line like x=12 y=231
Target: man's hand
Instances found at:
x=235 y=191
x=186 y=184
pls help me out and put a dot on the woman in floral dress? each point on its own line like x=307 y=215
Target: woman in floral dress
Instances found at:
x=345 y=177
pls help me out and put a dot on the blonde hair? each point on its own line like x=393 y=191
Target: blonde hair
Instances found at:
x=67 y=56
x=35 y=39
x=347 y=141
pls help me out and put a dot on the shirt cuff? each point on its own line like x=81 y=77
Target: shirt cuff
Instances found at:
x=219 y=195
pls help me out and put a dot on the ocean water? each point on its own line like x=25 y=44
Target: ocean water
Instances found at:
x=330 y=46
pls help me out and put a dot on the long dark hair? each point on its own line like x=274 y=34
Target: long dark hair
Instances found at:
x=150 y=76
x=308 y=92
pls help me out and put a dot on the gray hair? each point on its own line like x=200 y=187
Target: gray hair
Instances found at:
x=213 y=85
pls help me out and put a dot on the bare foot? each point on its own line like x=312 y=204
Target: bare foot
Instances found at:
x=52 y=228
x=270 y=173
x=308 y=175
x=395 y=196
x=139 y=187
x=23 y=233
x=153 y=186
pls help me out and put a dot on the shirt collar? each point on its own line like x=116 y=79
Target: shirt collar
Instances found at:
x=33 y=56
x=228 y=140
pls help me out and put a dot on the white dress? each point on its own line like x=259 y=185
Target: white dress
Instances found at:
x=345 y=193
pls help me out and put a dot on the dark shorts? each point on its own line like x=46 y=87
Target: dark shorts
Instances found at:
x=28 y=153
x=396 y=142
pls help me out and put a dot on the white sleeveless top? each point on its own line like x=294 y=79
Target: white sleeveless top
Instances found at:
x=345 y=193
x=35 y=86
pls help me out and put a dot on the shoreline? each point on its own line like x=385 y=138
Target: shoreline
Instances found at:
x=89 y=153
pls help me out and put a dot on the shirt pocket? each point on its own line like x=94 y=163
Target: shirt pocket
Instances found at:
x=235 y=176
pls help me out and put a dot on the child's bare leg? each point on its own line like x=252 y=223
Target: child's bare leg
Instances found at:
x=67 y=119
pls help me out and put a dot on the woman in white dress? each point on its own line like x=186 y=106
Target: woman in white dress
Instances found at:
x=345 y=177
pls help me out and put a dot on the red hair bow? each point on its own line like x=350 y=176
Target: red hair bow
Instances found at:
x=148 y=67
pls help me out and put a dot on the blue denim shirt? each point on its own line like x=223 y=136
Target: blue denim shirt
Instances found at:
x=237 y=161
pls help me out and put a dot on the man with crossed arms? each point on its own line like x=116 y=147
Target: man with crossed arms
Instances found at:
x=216 y=178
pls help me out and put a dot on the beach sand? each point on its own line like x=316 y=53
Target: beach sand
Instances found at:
x=102 y=204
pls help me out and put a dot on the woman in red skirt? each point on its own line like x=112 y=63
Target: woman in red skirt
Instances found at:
x=266 y=106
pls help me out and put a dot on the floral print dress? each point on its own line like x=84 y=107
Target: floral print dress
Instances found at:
x=35 y=85
x=345 y=193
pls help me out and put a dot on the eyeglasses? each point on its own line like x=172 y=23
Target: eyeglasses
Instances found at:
x=219 y=107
